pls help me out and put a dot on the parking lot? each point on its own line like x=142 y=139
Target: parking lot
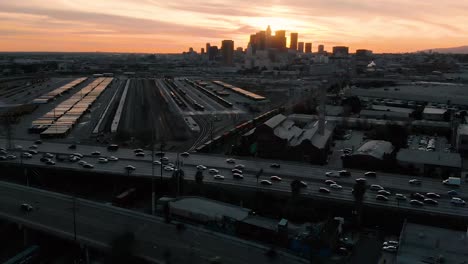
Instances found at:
x=428 y=143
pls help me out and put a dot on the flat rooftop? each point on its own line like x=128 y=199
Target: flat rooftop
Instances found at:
x=446 y=159
x=424 y=244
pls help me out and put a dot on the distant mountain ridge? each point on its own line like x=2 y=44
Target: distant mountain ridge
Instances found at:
x=458 y=50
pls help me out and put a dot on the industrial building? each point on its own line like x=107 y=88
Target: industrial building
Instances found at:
x=462 y=139
x=429 y=163
x=372 y=155
x=434 y=114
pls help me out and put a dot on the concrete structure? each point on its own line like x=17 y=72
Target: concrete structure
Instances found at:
x=281 y=137
x=293 y=41
x=308 y=47
x=321 y=49
x=427 y=244
x=435 y=114
x=340 y=51
x=300 y=47
x=374 y=154
x=462 y=139
x=227 y=51
x=430 y=163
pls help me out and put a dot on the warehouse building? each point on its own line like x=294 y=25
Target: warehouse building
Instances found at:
x=429 y=163
x=462 y=139
x=372 y=155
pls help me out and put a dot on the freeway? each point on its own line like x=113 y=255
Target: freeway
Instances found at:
x=97 y=224
x=313 y=175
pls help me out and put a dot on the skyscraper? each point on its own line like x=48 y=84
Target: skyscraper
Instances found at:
x=308 y=47
x=280 y=39
x=321 y=49
x=207 y=48
x=212 y=53
x=227 y=50
x=202 y=51
x=300 y=47
x=340 y=51
x=293 y=42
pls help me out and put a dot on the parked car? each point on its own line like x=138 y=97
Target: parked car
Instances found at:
x=33 y=147
x=236 y=171
x=332 y=174
x=38 y=142
x=10 y=157
x=33 y=152
x=168 y=168
x=72 y=146
x=303 y=184
x=138 y=150
x=26 y=155
x=391 y=249
x=159 y=153
x=49 y=155
x=391 y=243
x=113 y=147
x=50 y=162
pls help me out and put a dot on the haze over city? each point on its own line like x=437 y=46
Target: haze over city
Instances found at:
x=173 y=26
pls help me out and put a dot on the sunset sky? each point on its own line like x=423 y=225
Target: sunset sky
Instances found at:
x=175 y=25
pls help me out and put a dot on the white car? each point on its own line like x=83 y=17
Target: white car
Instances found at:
x=140 y=154
x=201 y=167
x=130 y=168
x=78 y=155
x=156 y=162
x=332 y=174
x=167 y=168
x=275 y=178
x=390 y=243
x=218 y=177
x=457 y=201
x=88 y=166
x=336 y=186
x=26 y=155
x=82 y=162
x=96 y=153
x=376 y=187
x=239 y=166
x=400 y=197
x=33 y=147
x=213 y=171
x=113 y=158
x=391 y=249
x=230 y=160
x=103 y=160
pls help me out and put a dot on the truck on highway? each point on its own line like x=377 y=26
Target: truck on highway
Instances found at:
x=453 y=181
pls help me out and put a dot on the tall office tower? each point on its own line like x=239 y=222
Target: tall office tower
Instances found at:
x=321 y=49
x=227 y=50
x=293 y=42
x=202 y=51
x=191 y=50
x=212 y=53
x=308 y=47
x=300 y=47
x=260 y=39
x=340 y=51
x=268 y=31
x=208 y=48
x=253 y=40
x=280 y=39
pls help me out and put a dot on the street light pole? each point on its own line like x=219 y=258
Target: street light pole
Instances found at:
x=152 y=174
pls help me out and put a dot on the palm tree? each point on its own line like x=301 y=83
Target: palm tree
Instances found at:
x=359 y=190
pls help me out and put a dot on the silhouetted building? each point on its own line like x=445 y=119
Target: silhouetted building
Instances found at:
x=293 y=44
x=280 y=39
x=321 y=49
x=300 y=47
x=207 y=48
x=213 y=53
x=227 y=50
x=340 y=51
x=191 y=50
x=239 y=49
x=202 y=51
x=308 y=48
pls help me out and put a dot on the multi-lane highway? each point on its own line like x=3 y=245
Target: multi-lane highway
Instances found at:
x=98 y=224
x=314 y=176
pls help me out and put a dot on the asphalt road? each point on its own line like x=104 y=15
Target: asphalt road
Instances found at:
x=97 y=225
x=313 y=175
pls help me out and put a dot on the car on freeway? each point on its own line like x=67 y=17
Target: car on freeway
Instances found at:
x=72 y=146
x=82 y=162
x=275 y=166
x=236 y=171
x=78 y=155
x=10 y=157
x=390 y=243
x=265 y=182
x=170 y=165
x=336 y=186
x=433 y=195
x=157 y=162
x=370 y=174
x=103 y=160
x=138 y=150
x=416 y=202
x=324 y=190
x=168 y=168
x=159 y=153
x=415 y=182
x=73 y=158
x=457 y=201
x=376 y=187
x=230 y=160
x=113 y=147
x=140 y=154
x=218 y=177
x=384 y=192
x=38 y=142
x=303 y=184
x=452 y=193
x=49 y=155
x=185 y=154
x=332 y=174
x=88 y=166
x=18 y=147
x=239 y=166
x=400 y=197
x=361 y=180
x=26 y=155
x=381 y=197
x=164 y=160
x=275 y=178
x=431 y=201
x=3 y=158
x=237 y=176
x=391 y=249
x=26 y=207
x=33 y=152
x=50 y=162
x=418 y=196
x=344 y=173
x=43 y=159
x=96 y=153
x=330 y=182
x=201 y=167
x=113 y=158
x=33 y=147
x=130 y=168
x=3 y=152
x=213 y=171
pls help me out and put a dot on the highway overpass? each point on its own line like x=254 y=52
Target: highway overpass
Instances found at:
x=313 y=175
x=98 y=224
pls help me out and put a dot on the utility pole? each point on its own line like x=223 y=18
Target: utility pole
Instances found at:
x=152 y=168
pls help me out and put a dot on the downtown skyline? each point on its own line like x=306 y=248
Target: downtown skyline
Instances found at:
x=152 y=27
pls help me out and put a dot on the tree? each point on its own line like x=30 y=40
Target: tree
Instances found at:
x=359 y=190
